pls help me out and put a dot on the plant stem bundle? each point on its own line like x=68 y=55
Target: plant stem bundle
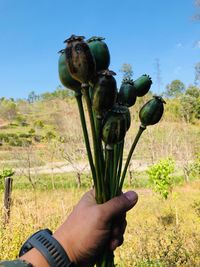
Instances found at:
x=83 y=67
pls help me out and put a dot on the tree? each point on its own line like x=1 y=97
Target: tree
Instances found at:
x=191 y=102
x=175 y=88
x=193 y=91
x=60 y=93
x=127 y=71
x=32 y=97
x=188 y=107
x=192 y=94
x=8 y=109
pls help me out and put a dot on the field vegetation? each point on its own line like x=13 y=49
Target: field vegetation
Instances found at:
x=41 y=141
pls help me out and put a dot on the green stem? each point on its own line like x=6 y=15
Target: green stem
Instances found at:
x=101 y=193
x=106 y=260
x=111 y=169
x=85 y=133
x=120 y=156
x=140 y=131
x=114 y=174
x=121 y=150
x=108 y=171
x=100 y=147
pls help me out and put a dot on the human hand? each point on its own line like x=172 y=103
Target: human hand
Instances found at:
x=91 y=227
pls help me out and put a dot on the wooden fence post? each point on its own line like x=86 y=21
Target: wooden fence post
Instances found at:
x=7 y=199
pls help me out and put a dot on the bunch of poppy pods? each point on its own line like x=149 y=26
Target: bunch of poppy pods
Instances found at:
x=83 y=68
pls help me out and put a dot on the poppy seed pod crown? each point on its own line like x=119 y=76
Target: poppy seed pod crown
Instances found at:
x=142 y=85
x=79 y=59
x=105 y=92
x=115 y=125
x=127 y=93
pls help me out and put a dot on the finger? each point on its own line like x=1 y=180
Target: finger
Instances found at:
x=88 y=199
x=118 y=229
x=116 y=243
x=119 y=205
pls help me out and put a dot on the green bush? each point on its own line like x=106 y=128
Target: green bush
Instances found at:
x=15 y=141
x=49 y=136
x=38 y=124
x=21 y=120
x=160 y=177
x=4 y=138
x=25 y=135
x=31 y=131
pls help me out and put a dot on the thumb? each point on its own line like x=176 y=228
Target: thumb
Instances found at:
x=120 y=204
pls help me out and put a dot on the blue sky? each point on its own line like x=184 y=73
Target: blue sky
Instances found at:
x=136 y=31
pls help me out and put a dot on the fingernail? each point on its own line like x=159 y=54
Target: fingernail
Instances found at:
x=131 y=196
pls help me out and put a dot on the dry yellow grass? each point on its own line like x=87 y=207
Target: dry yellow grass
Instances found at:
x=159 y=233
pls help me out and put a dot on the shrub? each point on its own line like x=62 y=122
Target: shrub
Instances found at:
x=21 y=120
x=15 y=141
x=160 y=177
x=25 y=135
x=38 y=124
x=4 y=138
x=31 y=131
x=49 y=136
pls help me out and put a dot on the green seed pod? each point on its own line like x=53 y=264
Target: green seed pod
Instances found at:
x=152 y=111
x=128 y=119
x=125 y=111
x=100 y=52
x=64 y=74
x=79 y=59
x=115 y=126
x=127 y=93
x=104 y=93
x=142 y=85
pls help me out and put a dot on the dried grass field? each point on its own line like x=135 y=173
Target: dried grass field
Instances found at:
x=163 y=233
x=159 y=233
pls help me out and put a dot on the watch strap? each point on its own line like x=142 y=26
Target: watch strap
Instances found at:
x=50 y=248
x=18 y=263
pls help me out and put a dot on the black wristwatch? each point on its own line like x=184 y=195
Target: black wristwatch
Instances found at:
x=49 y=247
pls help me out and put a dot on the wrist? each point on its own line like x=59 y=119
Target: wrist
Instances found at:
x=64 y=238
x=43 y=249
x=35 y=258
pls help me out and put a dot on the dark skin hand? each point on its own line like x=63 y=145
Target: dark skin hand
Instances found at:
x=90 y=228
